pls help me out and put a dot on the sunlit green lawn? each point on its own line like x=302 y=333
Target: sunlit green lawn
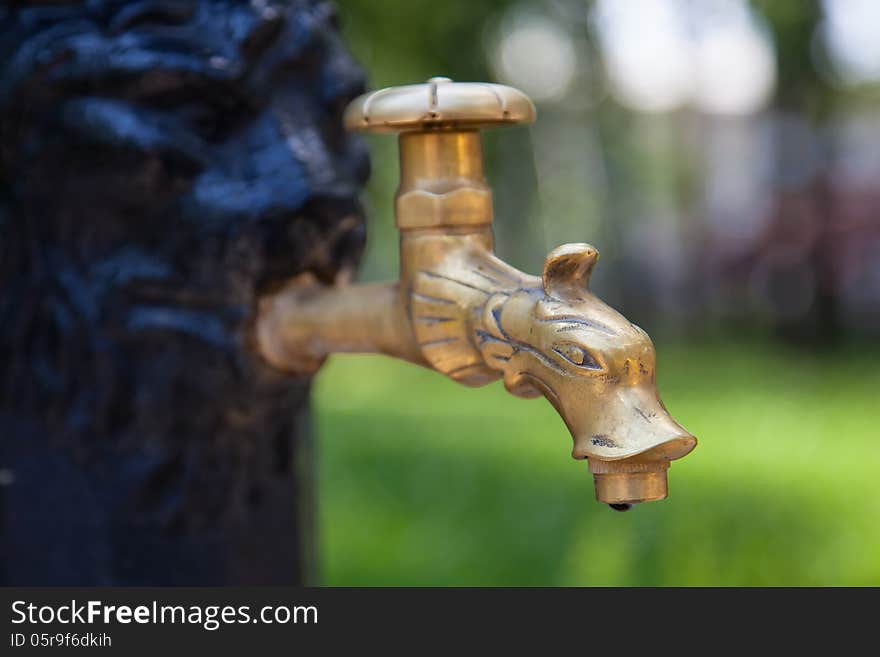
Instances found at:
x=425 y=482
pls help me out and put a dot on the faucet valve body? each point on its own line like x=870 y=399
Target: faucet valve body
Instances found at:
x=441 y=181
x=462 y=311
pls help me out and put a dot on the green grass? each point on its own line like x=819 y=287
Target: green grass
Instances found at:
x=425 y=482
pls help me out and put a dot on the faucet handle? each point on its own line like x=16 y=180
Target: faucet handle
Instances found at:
x=439 y=103
x=442 y=185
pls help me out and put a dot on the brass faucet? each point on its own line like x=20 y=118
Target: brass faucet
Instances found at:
x=467 y=314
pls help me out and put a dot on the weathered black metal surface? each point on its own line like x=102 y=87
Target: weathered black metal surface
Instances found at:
x=162 y=162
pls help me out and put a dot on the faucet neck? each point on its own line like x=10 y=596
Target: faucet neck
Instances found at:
x=441 y=181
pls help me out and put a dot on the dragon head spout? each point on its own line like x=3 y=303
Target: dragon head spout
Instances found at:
x=596 y=368
x=477 y=319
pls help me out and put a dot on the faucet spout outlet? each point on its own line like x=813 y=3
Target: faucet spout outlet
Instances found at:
x=465 y=313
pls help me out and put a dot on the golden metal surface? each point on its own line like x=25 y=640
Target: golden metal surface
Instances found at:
x=441 y=180
x=460 y=310
x=438 y=103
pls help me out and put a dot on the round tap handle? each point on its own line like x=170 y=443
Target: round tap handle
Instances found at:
x=439 y=103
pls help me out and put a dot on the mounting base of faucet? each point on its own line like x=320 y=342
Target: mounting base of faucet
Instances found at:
x=629 y=482
x=298 y=326
x=274 y=325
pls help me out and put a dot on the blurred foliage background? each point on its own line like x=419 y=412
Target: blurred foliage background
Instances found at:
x=724 y=157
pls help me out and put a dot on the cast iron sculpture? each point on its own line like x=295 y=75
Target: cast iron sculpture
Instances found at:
x=163 y=163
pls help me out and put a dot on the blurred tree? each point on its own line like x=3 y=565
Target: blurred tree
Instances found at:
x=804 y=218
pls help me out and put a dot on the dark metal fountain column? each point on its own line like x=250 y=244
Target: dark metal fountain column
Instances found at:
x=163 y=164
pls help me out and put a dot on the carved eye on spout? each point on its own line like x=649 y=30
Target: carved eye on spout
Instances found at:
x=577 y=355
